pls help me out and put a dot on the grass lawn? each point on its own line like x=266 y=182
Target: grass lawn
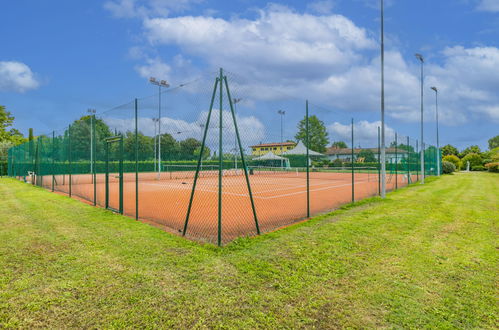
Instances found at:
x=427 y=256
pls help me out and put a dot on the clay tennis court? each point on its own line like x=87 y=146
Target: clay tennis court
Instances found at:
x=280 y=199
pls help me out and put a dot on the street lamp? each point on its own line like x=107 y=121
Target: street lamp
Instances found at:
x=235 y=101
x=421 y=59
x=160 y=84
x=436 y=114
x=281 y=113
x=92 y=115
x=383 y=152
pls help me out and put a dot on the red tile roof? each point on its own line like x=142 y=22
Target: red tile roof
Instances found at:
x=278 y=144
x=348 y=151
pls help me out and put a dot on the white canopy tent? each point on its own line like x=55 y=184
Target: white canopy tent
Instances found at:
x=270 y=156
x=300 y=149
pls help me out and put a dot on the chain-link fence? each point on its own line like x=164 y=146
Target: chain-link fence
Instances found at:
x=206 y=161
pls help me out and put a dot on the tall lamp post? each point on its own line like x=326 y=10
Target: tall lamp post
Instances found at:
x=160 y=84
x=92 y=114
x=281 y=113
x=382 y=151
x=438 y=145
x=235 y=101
x=421 y=59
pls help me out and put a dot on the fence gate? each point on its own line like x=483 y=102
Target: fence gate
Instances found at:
x=114 y=173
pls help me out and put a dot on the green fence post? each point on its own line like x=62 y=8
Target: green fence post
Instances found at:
x=220 y=161
x=107 y=174
x=407 y=160
x=200 y=158
x=53 y=160
x=353 y=171
x=94 y=162
x=136 y=162
x=122 y=152
x=308 y=160
x=379 y=162
x=243 y=161
x=396 y=162
x=69 y=159
x=417 y=161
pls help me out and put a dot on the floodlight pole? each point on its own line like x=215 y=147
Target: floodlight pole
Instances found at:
x=160 y=84
x=383 y=151
x=438 y=144
x=421 y=59
x=92 y=115
x=235 y=102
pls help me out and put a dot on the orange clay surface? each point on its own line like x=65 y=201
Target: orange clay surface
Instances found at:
x=278 y=200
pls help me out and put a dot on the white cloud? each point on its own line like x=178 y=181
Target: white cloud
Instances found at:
x=327 y=59
x=251 y=129
x=147 y=8
x=321 y=7
x=489 y=5
x=17 y=76
x=154 y=67
x=365 y=133
x=283 y=45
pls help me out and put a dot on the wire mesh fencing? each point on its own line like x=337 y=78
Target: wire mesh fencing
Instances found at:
x=210 y=161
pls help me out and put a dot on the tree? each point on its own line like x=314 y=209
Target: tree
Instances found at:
x=13 y=135
x=368 y=156
x=6 y=120
x=339 y=145
x=206 y=152
x=449 y=150
x=80 y=138
x=170 y=148
x=402 y=146
x=188 y=148
x=318 y=137
x=472 y=149
x=473 y=158
x=494 y=142
x=145 y=143
x=454 y=160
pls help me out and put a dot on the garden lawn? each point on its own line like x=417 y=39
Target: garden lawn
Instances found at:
x=424 y=257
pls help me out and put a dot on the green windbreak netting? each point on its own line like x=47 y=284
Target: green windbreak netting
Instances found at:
x=219 y=157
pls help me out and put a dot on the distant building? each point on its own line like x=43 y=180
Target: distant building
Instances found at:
x=345 y=154
x=276 y=148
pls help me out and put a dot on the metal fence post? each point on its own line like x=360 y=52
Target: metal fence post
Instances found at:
x=243 y=161
x=353 y=171
x=379 y=162
x=200 y=158
x=308 y=159
x=396 y=162
x=122 y=152
x=220 y=160
x=53 y=160
x=136 y=162
x=407 y=160
x=417 y=164
x=94 y=162
x=69 y=159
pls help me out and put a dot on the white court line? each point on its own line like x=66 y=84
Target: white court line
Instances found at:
x=261 y=197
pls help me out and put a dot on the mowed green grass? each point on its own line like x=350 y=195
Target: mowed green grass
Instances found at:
x=425 y=257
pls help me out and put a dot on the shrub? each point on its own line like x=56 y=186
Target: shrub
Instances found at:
x=474 y=159
x=493 y=167
x=448 y=167
x=478 y=168
x=454 y=160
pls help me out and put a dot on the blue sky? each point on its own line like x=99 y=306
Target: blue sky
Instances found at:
x=60 y=57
